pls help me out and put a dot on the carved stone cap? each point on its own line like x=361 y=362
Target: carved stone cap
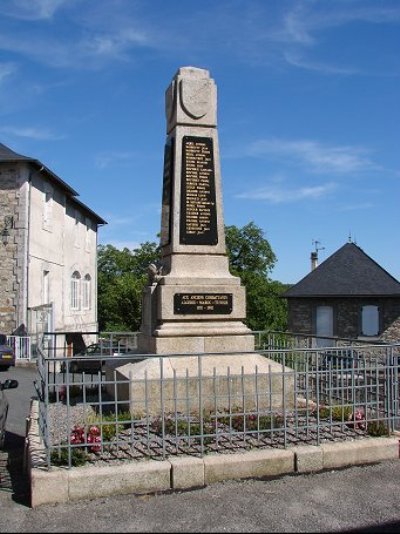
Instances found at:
x=191 y=99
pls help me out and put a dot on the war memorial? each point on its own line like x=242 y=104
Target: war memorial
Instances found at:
x=201 y=353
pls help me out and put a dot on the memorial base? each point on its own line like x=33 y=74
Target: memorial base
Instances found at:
x=191 y=384
x=201 y=337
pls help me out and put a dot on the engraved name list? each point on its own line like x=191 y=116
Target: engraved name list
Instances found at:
x=198 y=224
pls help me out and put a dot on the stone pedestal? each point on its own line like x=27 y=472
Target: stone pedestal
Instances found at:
x=194 y=384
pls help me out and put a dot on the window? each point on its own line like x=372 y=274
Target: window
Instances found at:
x=75 y=290
x=369 y=320
x=86 y=289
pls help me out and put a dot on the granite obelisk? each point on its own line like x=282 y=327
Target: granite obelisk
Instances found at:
x=192 y=303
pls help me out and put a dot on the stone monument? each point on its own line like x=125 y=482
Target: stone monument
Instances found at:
x=192 y=305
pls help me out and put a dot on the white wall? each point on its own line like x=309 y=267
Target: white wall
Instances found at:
x=58 y=246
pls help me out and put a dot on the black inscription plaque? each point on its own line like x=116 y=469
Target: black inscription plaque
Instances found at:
x=203 y=303
x=198 y=224
x=166 y=217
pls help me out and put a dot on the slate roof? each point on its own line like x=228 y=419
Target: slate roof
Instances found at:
x=349 y=272
x=9 y=156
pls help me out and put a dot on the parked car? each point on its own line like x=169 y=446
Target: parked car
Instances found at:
x=88 y=359
x=7 y=355
x=7 y=384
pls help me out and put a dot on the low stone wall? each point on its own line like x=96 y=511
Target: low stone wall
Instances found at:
x=60 y=485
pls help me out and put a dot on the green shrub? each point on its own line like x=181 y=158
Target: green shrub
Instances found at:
x=184 y=428
x=251 y=422
x=377 y=428
x=338 y=413
x=78 y=457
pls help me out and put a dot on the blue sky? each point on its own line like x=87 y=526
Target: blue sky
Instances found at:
x=308 y=112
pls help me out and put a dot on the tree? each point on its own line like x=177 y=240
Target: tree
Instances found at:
x=266 y=310
x=122 y=275
x=252 y=259
x=248 y=250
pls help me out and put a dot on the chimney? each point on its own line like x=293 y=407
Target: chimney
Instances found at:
x=314 y=255
x=314 y=260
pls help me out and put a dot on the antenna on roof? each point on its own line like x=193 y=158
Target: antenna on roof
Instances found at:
x=316 y=243
x=314 y=255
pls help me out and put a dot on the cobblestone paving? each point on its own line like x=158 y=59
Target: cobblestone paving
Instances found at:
x=5 y=478
x=12 y=476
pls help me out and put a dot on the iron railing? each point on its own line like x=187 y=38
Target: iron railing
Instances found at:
x=206 y=403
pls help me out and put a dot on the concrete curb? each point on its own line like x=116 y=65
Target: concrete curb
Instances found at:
x=60 y=485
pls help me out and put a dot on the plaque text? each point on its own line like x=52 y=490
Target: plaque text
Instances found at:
x=198 y=224
x=203 y=303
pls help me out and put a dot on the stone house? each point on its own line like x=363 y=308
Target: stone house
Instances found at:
x=48 y=250
x=347 y=296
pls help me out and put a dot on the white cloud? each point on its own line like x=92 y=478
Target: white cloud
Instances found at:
x=32 y=9
x=31 y=133
x=89 y=43
x=106 y=159
x=6 y=70
x=297 y=60
x=115 y=45
x=100 y=31
x=276 y=194
x=357 y=206
x=121 y=221
x=303 y=26
x=43 y=49
x=120 y=245
x=315 y=156
x=306 y=19
x=294 y=28
x=88 y=52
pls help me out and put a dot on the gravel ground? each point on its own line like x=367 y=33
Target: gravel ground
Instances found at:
x=142 y=439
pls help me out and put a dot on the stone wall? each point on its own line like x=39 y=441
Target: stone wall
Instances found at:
x=347 y=316
x=12 y=201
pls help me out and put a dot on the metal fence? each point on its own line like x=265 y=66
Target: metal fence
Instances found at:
x=199 y=404
x=285 y=340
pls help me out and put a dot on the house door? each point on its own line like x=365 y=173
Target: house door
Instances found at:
x=324 y=326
